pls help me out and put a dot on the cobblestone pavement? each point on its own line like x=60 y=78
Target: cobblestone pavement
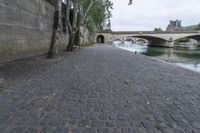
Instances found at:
x=99 y=89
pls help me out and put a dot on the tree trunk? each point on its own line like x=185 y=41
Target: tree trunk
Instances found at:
x=77 y=39
x=53 y=49
x=72 y=28
x=71 y=42
x=78 y=33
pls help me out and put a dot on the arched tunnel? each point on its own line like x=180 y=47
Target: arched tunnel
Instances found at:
x=100 y=39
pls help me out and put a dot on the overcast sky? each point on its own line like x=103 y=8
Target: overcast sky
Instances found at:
x=148 y=14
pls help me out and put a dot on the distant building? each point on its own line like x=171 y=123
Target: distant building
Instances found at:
x=174 y=25
x=177 y=26
x=188 y=28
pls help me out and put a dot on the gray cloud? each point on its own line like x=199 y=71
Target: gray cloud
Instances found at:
x=148 y=14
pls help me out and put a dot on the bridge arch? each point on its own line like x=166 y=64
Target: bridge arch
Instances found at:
x=117 y=40
x=100 y=39
x=154 y=41
x=195 y=37
x=129 y=40
x=141 y=40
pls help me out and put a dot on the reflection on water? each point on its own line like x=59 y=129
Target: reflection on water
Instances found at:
x=187 y=56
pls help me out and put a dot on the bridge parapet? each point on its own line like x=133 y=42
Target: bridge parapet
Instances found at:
x=164 y=37
x=153 y=32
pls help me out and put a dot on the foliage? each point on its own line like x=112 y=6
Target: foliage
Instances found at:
x=184 y=40
x=71 y=14
x=198 y=27
x=158 y=29
x=99 y=13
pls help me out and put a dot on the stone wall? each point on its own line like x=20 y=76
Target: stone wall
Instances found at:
x=26 y=28
x=86 y=38
x=107 y=36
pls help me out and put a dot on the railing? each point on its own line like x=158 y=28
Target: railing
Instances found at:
x=149 y=32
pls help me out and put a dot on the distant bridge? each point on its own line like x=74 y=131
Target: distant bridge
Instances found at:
x=164 y=38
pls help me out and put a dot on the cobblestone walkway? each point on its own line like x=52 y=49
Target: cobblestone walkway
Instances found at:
x=98 y=89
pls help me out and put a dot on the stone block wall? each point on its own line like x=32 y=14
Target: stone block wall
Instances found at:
x=107 y=36
x=85 y=38
x=26 y=28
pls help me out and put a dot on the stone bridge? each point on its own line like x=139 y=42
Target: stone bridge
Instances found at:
x=164 y=38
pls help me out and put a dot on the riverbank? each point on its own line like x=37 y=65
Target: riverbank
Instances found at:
x=98 y=89
x=186 y=57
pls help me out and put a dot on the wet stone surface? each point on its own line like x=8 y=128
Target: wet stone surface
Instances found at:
x=99 y=89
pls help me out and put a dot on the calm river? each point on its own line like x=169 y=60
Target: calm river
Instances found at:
x=187 y=56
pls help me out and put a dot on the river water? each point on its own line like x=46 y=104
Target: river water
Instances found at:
x=187 y=56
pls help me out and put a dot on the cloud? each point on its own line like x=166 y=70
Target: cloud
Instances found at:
x=148 y=14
